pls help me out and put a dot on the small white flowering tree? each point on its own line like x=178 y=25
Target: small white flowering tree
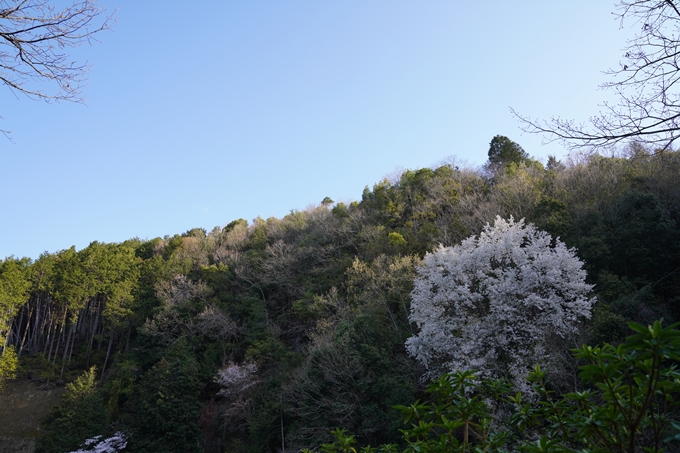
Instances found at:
x=236 y=382
x=498 y=303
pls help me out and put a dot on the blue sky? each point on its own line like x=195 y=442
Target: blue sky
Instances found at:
x=204 y=112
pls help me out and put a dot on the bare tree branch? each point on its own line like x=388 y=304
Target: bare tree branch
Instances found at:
x=646 y=83
x=34 y=36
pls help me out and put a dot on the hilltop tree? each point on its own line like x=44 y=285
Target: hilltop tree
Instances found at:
x=498 y=303
x=503 y=151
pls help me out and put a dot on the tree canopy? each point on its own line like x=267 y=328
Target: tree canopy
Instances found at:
x=498 y=303
x=264 y=335
x=503 y=151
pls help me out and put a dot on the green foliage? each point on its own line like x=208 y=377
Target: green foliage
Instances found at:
x=164 y=412
x=8 y=365
x=644 y=240
x=340 y=210
x=459 y=417
x=231 y=225
x=78 y=417
x=354 y=372
x=503 y=151
x=195 y=232
x=552 y=215
x=73 y=285
x=14 y=287
x=112 y=271
x=629 y=403
x=344 y=443
x=396 y=240
x=631 y=397
x=320 y=298
x=38 y=368
x=120 y=388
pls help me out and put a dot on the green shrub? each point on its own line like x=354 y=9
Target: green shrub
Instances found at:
x=78 y=417
x=629 y=402
x=8 y=365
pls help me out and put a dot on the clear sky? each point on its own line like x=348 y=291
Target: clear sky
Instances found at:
x=199 y=113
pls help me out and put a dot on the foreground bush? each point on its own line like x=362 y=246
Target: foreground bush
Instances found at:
x=628 y=402
x=79 y=416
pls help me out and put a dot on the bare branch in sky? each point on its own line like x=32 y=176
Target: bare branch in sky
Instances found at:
x=646 y=83
x=34 y=38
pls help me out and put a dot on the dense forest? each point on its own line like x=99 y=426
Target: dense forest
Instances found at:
x=265 y=336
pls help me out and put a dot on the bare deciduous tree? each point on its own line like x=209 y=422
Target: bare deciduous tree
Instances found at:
x=34 y=36
x=646 y=83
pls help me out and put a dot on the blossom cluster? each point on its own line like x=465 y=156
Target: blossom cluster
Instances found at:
x=497 y=303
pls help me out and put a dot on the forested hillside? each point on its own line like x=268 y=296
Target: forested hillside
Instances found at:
x=265 y=335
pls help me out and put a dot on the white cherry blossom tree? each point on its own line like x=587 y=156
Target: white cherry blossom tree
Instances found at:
x=498 y=304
